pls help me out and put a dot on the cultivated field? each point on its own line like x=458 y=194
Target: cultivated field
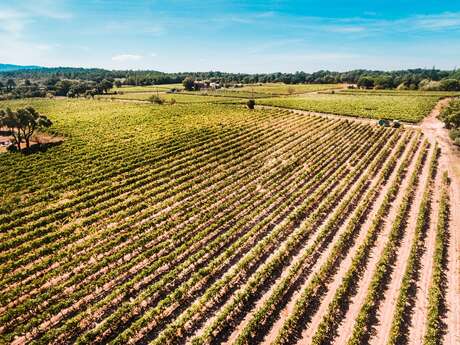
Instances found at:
x=397 y=92
x=151 y=88
x=179 y=97
x=402 y=107
x=209 y=223
x=283 y=89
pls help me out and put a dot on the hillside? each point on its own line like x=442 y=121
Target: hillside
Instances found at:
x=10 y=67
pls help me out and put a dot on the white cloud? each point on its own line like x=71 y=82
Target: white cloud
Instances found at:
x=13 y=22
x=127 y=57
x=447 y=20
x=153 y=54
x=347 y=29
x=365 y=25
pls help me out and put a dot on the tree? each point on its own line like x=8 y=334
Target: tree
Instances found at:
x=449 y=85
x=62 y=87
x=384 y=82
x=189 y=83
x=22 y=123
x=450 y=115
x=105 y=85
x=365 y=83
x=118 y=83
x=251 y=104
x=10 y=84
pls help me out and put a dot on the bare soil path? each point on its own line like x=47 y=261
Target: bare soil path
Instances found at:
x=449 y=160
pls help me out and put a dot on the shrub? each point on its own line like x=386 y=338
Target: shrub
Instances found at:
x=251 y=104
x=188 y=83
x=454 y=134
x=429 y=85
x=365 y=83
x=449 y=85
x=156 y=99
x=402 y=86
x=450 y=115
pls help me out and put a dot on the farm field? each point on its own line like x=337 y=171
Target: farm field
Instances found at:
x=286 y=89
x=178 y=97
x=235 y=93
x=247 y=91
x=210 y=223
x=401 y=107
x=438 y=94
x=148 y=88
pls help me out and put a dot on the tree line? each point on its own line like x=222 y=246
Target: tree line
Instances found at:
x=54 y=86
x=75 y=82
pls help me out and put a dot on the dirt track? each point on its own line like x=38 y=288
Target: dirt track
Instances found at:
x=449 y=160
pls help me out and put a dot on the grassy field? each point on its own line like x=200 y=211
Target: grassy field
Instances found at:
x=178 y=97
x=401 y=107
x=233 y=93
x=202 y=223
x=398 y=93
x=148 y=88
x=284 y=89
x=410 y=106
x=245 y=91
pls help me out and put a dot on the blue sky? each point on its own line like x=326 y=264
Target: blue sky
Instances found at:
x=233 y=36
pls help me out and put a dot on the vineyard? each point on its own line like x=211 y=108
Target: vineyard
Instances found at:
x=205 y=223
x=183 y=97
x=409 y=108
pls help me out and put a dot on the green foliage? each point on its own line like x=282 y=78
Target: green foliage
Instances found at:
x=251 y=104
x=150 y=205
x=22 y=123
x=179 y=97
x=189 y=84
x=406 y=298
x=156 y=99
x=437 y=290
x=404 y=108
x=362 y=329
x=449 y=85
x=450 y=115
x=365 y=82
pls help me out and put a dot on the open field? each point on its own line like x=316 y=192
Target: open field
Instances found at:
x=178 y=97
x=247 y=91
x=405 y=108
x=269 y=90
x=210 y=223
x=286 y=89
x=235 y=93
x=148 y=88
x=438 y=94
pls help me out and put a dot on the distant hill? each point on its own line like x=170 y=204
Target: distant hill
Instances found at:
x=9 y=67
